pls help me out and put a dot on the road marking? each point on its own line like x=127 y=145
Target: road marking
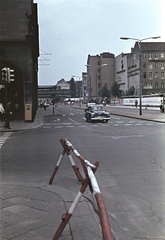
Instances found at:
x=120 y=137
x=72 y=120
x=4 y=137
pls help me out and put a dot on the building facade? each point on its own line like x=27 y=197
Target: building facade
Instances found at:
x=121 y=71
x=153 y=67
x=100 y=71
x=147 y=58
x=19 y=51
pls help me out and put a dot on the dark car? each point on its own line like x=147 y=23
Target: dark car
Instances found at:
x=97 y=113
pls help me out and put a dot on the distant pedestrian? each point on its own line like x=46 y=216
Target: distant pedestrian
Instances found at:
x=161 y=107
x=136 y=103
x=8 y=112
x=45 y=106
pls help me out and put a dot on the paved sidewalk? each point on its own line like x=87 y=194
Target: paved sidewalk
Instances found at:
x=21 y=125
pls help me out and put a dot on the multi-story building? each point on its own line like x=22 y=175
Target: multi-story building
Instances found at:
x=85 y=87
x=100 y=71
x=19 y=51
x=153 y=67
x=152 y=58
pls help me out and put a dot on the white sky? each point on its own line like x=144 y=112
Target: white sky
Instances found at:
x=69 y=30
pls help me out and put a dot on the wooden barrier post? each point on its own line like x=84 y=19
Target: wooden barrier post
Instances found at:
x=105 y=225
x=56 y=167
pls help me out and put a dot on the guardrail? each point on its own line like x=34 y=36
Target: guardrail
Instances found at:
x=91 y=181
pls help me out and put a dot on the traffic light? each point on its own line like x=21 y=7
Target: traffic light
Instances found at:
x=10 y=75
x=5 y=75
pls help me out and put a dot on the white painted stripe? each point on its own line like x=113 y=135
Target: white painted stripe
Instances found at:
x=94 y=183
x=76 y=153
x=75 y=202
x=60 y=159
x=71 y=160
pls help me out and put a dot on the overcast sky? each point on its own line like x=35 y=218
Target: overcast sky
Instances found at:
x=69 y=30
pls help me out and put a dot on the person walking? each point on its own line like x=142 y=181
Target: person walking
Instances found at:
x=8 y=112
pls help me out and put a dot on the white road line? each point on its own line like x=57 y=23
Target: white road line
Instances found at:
x=4 y=137
x=72 y=120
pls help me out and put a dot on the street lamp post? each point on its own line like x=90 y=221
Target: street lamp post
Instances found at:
x=140 y=67
x=79 y=90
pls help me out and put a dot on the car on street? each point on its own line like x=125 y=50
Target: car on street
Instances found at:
x=96 y=113
x=89 y=104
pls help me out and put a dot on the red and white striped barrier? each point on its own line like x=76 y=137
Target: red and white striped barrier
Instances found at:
x=90 y=180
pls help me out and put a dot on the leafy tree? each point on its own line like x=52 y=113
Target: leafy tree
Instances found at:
x=105 y=92
x=131 y=91
x=115 y=90
x=72 y=88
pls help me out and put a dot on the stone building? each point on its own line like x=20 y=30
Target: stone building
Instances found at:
x=100 y=71
x=19 y=51
x=152 y=67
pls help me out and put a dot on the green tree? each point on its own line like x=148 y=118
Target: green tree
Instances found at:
x=130 y=91
x=105 y=92
x=72 y=88
x=115 y=90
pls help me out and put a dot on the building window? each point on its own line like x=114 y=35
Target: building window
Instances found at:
x=156 y=85
x=150 y=75
x=150 y=55
x=147 y=85
x=162 y=65
x=156 y=64
x=162 y=74
x=162 y=84
x=150 y=65
x=162 y=55
x=144 y=55
x=156 y=55
x=156 y=74
x=144 y=74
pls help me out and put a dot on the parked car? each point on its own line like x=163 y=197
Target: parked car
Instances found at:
x=97 y=113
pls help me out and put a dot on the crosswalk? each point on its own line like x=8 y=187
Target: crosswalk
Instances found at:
x=4 y=137
x=116 y=122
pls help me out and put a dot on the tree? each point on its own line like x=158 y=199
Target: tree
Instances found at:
x=72 y=88
x=131 y=91
x=105 y=92
x=115 y=90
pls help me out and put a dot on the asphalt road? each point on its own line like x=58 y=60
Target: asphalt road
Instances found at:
x=131 y=173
